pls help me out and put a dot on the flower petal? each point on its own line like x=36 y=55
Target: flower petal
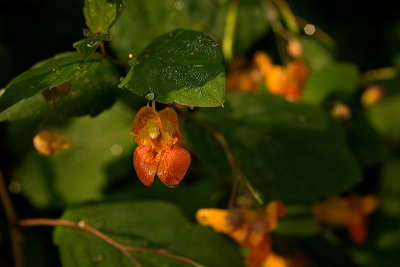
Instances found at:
x=259 y=253
x=173 y=166
x=145 y=165
x=170 y=122
x=143 y=119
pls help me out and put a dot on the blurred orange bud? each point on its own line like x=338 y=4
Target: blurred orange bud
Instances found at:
x=49 y=142
x=262 y=61
x=55 y=94
x=294 y=48
x=350 y=212
x=341 y=111
x=372 y=95
x=159 y=147
x=246 y=81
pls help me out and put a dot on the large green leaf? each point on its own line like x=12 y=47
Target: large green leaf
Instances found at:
x=151 y=18
x=183 y=66
x=89 y=94
x=144 y=224
x=100 y=15
x=78 y=174
x=47 y=74
x=289 y=151
x=340 y=79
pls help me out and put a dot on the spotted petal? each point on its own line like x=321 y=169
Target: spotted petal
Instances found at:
x=143 y=119
x=145 y=165
x=173 y=166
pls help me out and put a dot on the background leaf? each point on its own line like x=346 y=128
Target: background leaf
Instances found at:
x=289 y=151
x=339 y=79
x=101 y=14
x=146 y=224
x=185 y=67
x=89 y=94
x=151 y=18
x=47 y=74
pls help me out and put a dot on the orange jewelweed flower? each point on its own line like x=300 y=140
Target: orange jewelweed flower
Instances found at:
x=348 y=212
x=49 y=142
x=251 y=231
x=159 y=147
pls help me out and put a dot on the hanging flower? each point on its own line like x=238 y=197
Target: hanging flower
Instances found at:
x=49 y=142
x=350 y=212
x=159 y=147
x=249 y=228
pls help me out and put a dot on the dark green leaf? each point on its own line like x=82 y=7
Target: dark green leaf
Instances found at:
x=315 y=54
x=390 y=188
x=87 y=46
x=298 y=222
x=143 y=224
x=76 y=175
x=289 y=151
x=339 y=79
x=47 y=74
x=89 y=94
x=100 y=15
x=185 y=67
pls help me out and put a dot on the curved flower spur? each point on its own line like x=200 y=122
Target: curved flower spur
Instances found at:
x=159 y=147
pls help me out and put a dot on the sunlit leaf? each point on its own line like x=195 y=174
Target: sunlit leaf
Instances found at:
x=87 y=46
x=47 y=74
x=100 y=15
x=185 y=67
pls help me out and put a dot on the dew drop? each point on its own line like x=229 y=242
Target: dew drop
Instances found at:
x=14 y=187
x=98 y=258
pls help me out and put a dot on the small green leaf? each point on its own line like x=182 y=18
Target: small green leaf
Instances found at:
x=47 y=74
x=185 y=67
x=385 y=116
x=100 y=15
x=89 y=94
x=151 y=224
x=87 y=46
x=288 y=151
x=315 y=54
x=339 y=79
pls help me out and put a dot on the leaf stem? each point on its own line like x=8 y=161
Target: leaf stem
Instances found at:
x=288 y=16
x=82 y=225
x=11 y=215
x=229 y=31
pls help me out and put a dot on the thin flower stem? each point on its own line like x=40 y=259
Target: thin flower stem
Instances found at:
x=11 y=215
x=288 y=16
x=239 y=175
x=124 y=249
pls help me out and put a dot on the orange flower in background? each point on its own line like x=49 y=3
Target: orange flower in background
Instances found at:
x=249 y=228
x=275 y=260
x=159 y=147
x=350 y=212
x=49 y=142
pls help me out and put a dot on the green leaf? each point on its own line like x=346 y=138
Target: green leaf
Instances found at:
x=385 y=116
x=289 y=151
x=340 y=79
x=152 y=18
x=151 y=224
x=298 y=222
x=47 y=74
x=315 y=54
x=185 y=67
x=77 y=175
x=390 y=188
x=87 y=46
x=89 y=94
x=100 y=15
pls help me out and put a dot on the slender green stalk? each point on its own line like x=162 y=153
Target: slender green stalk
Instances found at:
x=229 y=31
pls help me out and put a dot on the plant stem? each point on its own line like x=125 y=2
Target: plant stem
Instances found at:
x=229 y=31
x=11 y=215
x=104 y=54
x=288 y=16
x=85 y=227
